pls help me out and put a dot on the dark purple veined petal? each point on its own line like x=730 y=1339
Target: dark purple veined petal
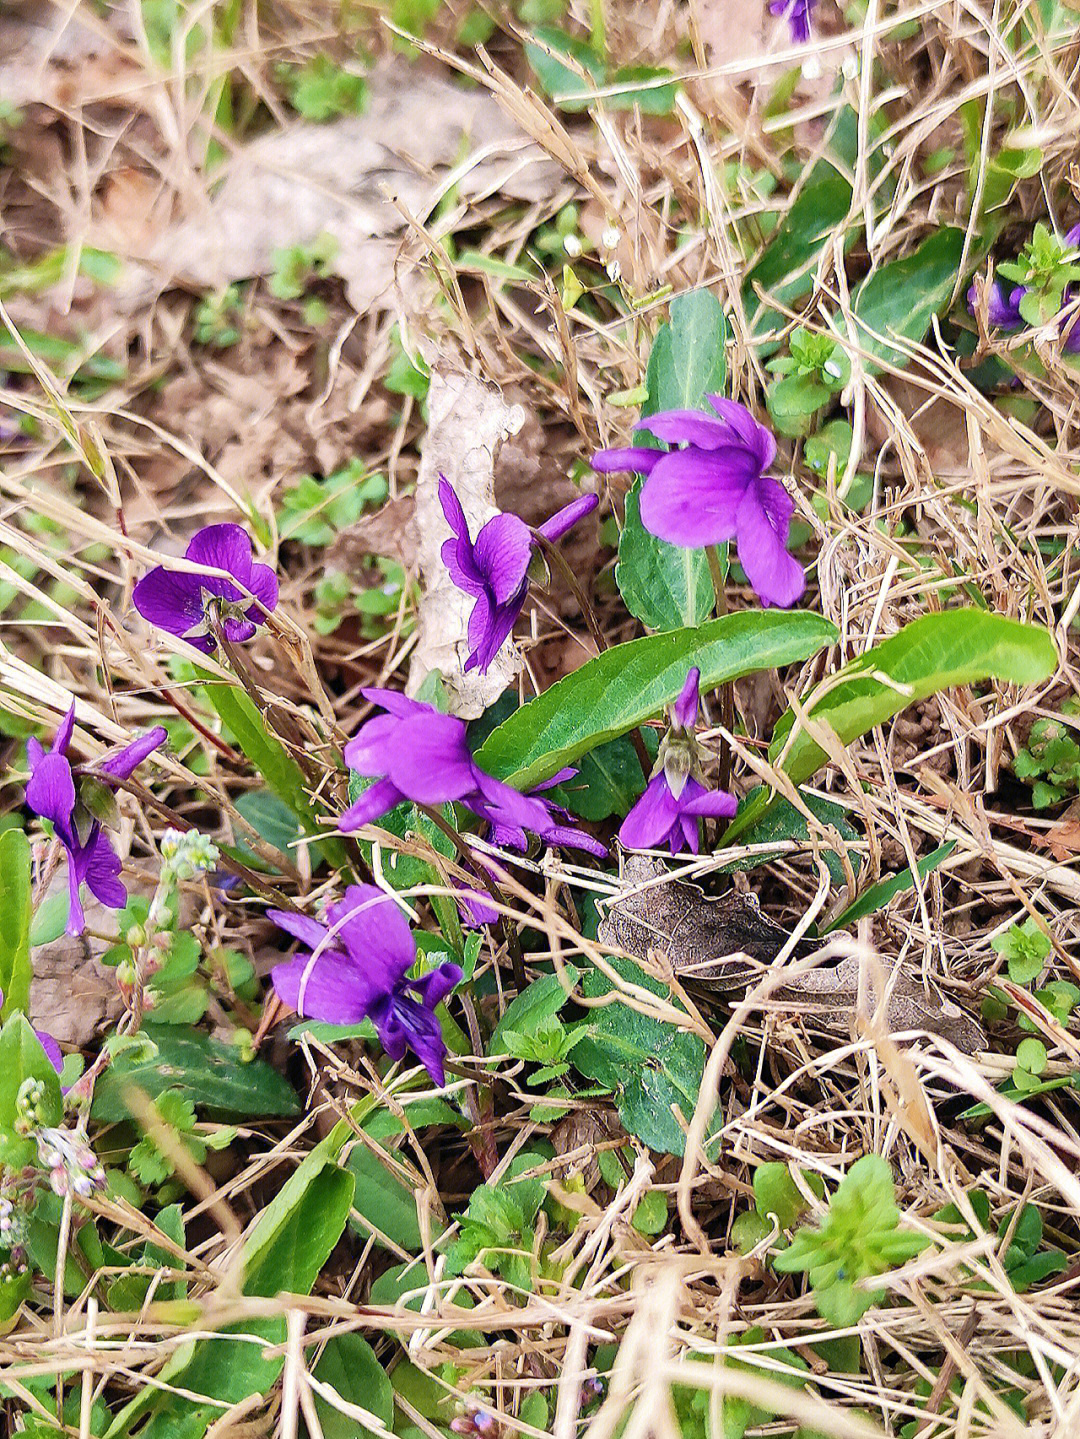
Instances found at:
x=692 y=496
x=222 y=547
x=636 y=458
x=490 y=627
x=123 y=764
x=568 y=836
x=506 y=805
x=715 y=803
x=237 y=632
x=759 y=440
x=502 y=552
x=263 y=585
x=329 y=987
x=172 y=602
x=685 y=707
x=378 y=799
x=433 y=987
x=457 y=553
x=62 y=738
x=685 y=834
x=764 y=518
x=100 y=866
x=76 y=920
x=429 y=760
x=687 y=427
x=395 y=703
x=366 y=751
x=402 y=1023
x=52 y=1050
x=50 y=791
x=565 y=519
x=308 y=931
x=649 y=823
x=368 y=924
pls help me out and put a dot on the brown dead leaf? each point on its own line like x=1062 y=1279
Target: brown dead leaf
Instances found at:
x=390 y=533
x=939 y=426
x=709 y=941
x=342 y=179
x=1062 y=839
x=467 y=423
x=73 y=996
x=64 y=56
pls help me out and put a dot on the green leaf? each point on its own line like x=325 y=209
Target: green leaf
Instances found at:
x=665 y=585
x=688 y=359
x=572 y=92
x=538 y=1002
x=651 y=1066
x=349 y=1366
x=876 y=896
x=786 y=268
x=632 y=682
x=50 y=919
x=22 y=1058
x=662 y=585
x=902 y=297
x=212 y=1075
x=782 y=821
x=775 y=1192
x=545 y=54
x=956 y=647
x=386 y=1202
x=284 y=1254
x=15 y=917
x=272 y=820
x=608 y=781
x=271 y=760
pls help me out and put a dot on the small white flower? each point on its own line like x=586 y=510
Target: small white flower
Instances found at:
x=572 y=245
x=614 y=270
x=611 y=237
x=832 y=369
x=811 y=68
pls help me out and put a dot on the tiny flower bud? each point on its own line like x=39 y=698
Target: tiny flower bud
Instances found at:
x=572 y=246
x=614 y=270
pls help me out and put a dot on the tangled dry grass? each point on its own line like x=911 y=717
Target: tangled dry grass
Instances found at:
x=114 y=143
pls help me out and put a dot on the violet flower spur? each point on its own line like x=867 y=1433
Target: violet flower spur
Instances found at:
x=415 y=753
x=675 y=798
x=797 y=13
x=493 y=569
x=76 y=811
x=715 y=489
x=357 y=968
x=181 y=603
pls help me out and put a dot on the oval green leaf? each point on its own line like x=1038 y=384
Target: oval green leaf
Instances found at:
x=957 y=647
x=15 y=918
x=631 y=683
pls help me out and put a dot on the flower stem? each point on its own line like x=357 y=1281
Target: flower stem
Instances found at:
x=555 y=559
x=507 y=933
x=727 y=691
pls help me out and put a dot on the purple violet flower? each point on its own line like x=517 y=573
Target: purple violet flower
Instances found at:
x=493 y=569
x=415 y=753
x=675 y=798
x=1002 y=306
x=716 y=489
x=357 y=968
x=797 y=13
x=75 y=812
x=180 y=602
